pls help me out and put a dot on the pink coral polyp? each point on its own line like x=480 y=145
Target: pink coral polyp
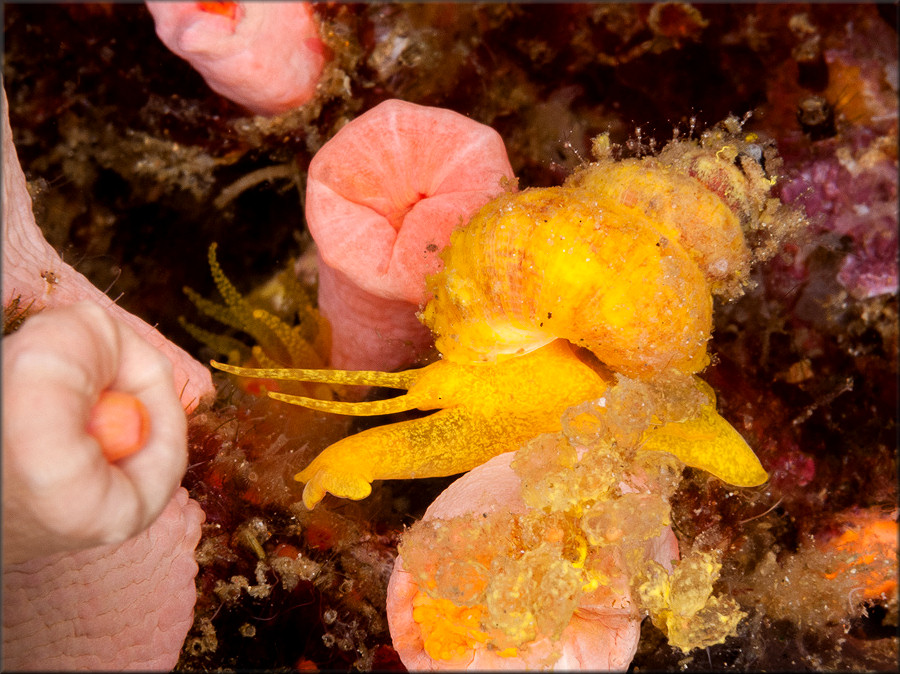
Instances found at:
x=603 y=632
x=265 y=56
x=385 y=193
x=382 y=197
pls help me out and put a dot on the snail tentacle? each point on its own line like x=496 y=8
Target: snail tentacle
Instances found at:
x=399 y=380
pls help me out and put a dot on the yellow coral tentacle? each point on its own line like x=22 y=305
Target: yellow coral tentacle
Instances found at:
x=220 y=312
x=275 y=337
x=298 y=349
x=235 y=301
x=230 y=346
x=278 y=343
x=259 y=354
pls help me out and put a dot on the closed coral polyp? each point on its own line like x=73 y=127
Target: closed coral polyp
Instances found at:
x=382 y=197
x=265 y=56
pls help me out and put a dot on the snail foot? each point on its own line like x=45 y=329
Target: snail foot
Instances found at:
x=338 y=481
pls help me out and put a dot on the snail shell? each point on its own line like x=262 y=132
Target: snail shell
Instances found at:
x=622 y=259
x=683 y=209
x=570 y=262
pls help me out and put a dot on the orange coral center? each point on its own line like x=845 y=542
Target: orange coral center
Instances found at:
x=120 y=423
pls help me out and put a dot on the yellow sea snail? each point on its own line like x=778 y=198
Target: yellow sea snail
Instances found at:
x=563 y=263
x=622 y=260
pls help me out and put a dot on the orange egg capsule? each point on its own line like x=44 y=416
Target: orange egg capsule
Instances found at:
x=120 y=423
